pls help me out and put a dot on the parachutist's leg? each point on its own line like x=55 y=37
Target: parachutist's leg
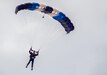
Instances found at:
x=28 y=63
x=32 y=64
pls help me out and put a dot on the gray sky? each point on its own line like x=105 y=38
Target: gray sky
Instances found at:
x=82 y=52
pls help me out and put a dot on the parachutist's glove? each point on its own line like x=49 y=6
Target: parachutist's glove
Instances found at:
x=37 y=52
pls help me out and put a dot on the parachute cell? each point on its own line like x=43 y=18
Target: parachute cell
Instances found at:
x=48 y=9
x=54 y=13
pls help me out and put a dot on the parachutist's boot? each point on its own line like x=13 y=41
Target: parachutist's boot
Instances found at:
x=32 y=68
x=26 y=66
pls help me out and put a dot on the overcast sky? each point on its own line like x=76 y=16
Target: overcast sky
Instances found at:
x=81 y=52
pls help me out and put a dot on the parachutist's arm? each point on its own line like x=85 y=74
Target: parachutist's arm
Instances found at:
x=37 y=53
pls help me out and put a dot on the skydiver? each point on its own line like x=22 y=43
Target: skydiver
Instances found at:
x=33 y=55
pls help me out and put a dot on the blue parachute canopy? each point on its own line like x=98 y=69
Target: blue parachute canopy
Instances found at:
x=60 y=17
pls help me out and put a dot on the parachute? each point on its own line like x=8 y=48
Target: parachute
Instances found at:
x=54 y=13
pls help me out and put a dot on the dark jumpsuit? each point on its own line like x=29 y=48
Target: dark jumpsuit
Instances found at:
x=32 y=57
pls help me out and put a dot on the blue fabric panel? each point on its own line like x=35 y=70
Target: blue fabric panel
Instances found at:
x=65 y=22
x=60 y=16
x=33 y=6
